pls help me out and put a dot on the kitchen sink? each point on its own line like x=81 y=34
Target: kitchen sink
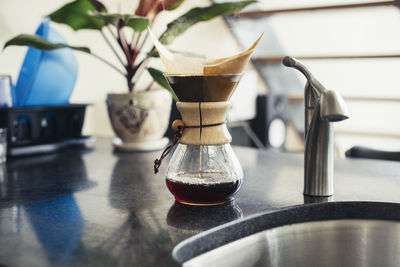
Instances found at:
x=324 y=234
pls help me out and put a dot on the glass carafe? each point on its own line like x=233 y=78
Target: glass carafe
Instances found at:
x=203 y=170
x=204 y=174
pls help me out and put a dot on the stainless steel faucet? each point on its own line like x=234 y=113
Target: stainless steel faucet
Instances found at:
x=322 y=107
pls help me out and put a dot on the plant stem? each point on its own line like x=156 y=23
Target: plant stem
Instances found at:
x=111 y=32
x=136 y=43
x=144 y=41
x=124 y=45
x=134 y=35
x=112 y=48
x=139 y=70
x=130 y=70
x=108 y=63
x=129 y=81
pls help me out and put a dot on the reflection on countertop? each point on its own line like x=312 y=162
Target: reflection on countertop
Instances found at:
x=32 y=178
x=42 y=197
x=195 y=219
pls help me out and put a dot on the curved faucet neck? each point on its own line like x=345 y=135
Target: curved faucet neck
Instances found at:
x=311 y=103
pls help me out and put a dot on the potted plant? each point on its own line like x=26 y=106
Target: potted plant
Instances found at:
x=139 y=115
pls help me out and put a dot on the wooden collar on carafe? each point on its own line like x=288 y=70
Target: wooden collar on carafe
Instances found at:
x=203 y=123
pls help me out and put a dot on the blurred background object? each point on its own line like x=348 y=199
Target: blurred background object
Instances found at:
x=6 y=91
x=46 y=78
x=35 y=130
x=3 y=145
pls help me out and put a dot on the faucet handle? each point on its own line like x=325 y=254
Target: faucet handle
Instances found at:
x=294 y=63
x=333 y=107
x=289 y=61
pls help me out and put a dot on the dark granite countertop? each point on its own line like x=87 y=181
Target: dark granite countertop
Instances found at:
x=96 y=207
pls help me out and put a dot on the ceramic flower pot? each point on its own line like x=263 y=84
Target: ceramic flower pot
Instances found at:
x=140 y=117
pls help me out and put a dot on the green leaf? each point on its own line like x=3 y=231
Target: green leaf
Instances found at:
x=40 y=43
x=175 y=5
x=159 y=78
x=137 y=23
x=153 y=53
x=195 y=15
x=76 y=15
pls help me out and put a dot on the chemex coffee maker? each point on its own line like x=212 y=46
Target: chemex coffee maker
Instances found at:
x=203 y=169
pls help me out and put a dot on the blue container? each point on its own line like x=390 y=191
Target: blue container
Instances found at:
x=46 y=78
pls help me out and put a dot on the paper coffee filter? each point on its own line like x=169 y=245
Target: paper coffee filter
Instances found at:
x=180 y=64
x=233 y=64
x=176 y=63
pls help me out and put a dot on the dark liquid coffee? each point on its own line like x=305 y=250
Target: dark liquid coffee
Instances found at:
x=203 y=194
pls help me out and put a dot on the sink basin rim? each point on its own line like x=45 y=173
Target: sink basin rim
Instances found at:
x=226 y=233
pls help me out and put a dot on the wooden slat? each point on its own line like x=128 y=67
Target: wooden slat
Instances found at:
x=369 y=134
x=299 y=98
x=261 y=13
x=274 y=59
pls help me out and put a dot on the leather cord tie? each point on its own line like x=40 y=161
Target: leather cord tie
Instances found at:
x=178 y=126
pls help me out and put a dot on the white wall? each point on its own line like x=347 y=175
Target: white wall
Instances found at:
x=363 y=31
x=95 y=79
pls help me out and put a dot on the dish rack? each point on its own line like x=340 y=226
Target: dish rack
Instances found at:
x=40 y=129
